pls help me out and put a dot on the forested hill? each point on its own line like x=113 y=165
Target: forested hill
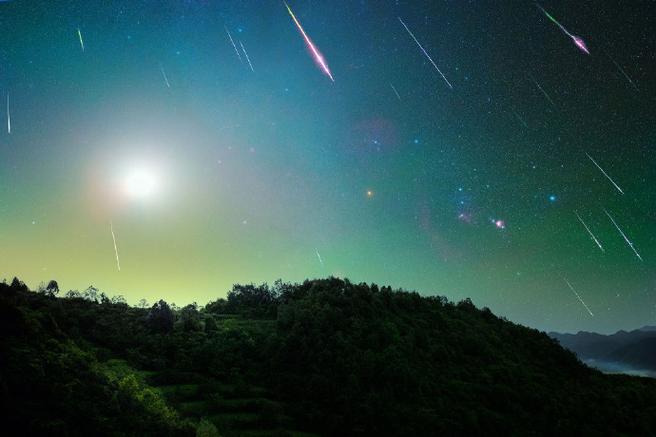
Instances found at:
x=325 y=357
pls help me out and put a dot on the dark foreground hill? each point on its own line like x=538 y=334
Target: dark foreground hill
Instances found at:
x=326 y=357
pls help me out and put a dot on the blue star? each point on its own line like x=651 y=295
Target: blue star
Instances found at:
x=552 y=198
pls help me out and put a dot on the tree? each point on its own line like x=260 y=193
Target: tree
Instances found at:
x=91 y=293
x=254 y=301
x=210 y=324
x=161 y=318
x=218 y=306
x=52 y=289
x=190 y=317
x=18 y=285
x=73 y=294
x=118 y=300
x=143 y=303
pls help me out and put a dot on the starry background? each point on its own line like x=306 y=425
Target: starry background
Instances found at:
x=281 y=173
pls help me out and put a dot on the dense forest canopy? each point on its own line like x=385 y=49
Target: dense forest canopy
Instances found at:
x=325 y=357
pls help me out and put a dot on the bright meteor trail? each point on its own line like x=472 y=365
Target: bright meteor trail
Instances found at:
x=8 y=116
x=319 y=257
x=577 y=40
x=589 y=231
x=605 y=174
x=247 y=58
x=577 y=296
x=318 y=57
x=79 y=34
x=166 y=79
x=425 y=53
x=623 y=235
x=234 y=46
x=118 y=263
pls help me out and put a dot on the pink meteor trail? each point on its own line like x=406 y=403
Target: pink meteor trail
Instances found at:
x=318 y=57
x=580 y=44
x=577 y=39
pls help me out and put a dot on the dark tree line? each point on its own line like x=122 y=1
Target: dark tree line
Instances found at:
x=339 y=359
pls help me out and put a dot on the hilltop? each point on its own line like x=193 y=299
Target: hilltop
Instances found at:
x=325 y=357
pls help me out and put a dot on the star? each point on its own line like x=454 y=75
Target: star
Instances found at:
x=465 y=217
x=500 y=224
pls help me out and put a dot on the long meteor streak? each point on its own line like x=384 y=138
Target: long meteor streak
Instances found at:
x=79 y=35
x=247 y=58
x=425 y=53
x=577 y=39
x=234 y=46
x=118 y=262
x=8 y=116
x=589 y=232
x=623 y=72
x=166 y=79
x=605 y=174
x=319 y=257
x=577 y=296
x=623 y=235
x=316 y=54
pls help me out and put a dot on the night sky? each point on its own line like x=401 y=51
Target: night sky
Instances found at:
x=210 y=172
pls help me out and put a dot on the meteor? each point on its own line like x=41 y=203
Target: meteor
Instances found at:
x=623 y=72
x=521 y=120
x=319 y=257
x=589 y=231
x=111 y=229
x=425 y=53
x=577 y=296
x=247 y=58
x=577 y=39
x=605 y=174
x=396 y=92
x=79 y=34
x=166 y=79
x=544 y=93
x=623 y=236
x=316 y=54
x=8 y=116
x=233 y=43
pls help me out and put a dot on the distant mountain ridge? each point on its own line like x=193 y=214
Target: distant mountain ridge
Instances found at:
x=635 y=350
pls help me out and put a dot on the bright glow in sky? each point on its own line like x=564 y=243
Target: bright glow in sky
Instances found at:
x=140 y=182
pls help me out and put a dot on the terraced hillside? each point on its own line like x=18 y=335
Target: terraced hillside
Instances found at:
x=326 y=357
x=235 y=409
